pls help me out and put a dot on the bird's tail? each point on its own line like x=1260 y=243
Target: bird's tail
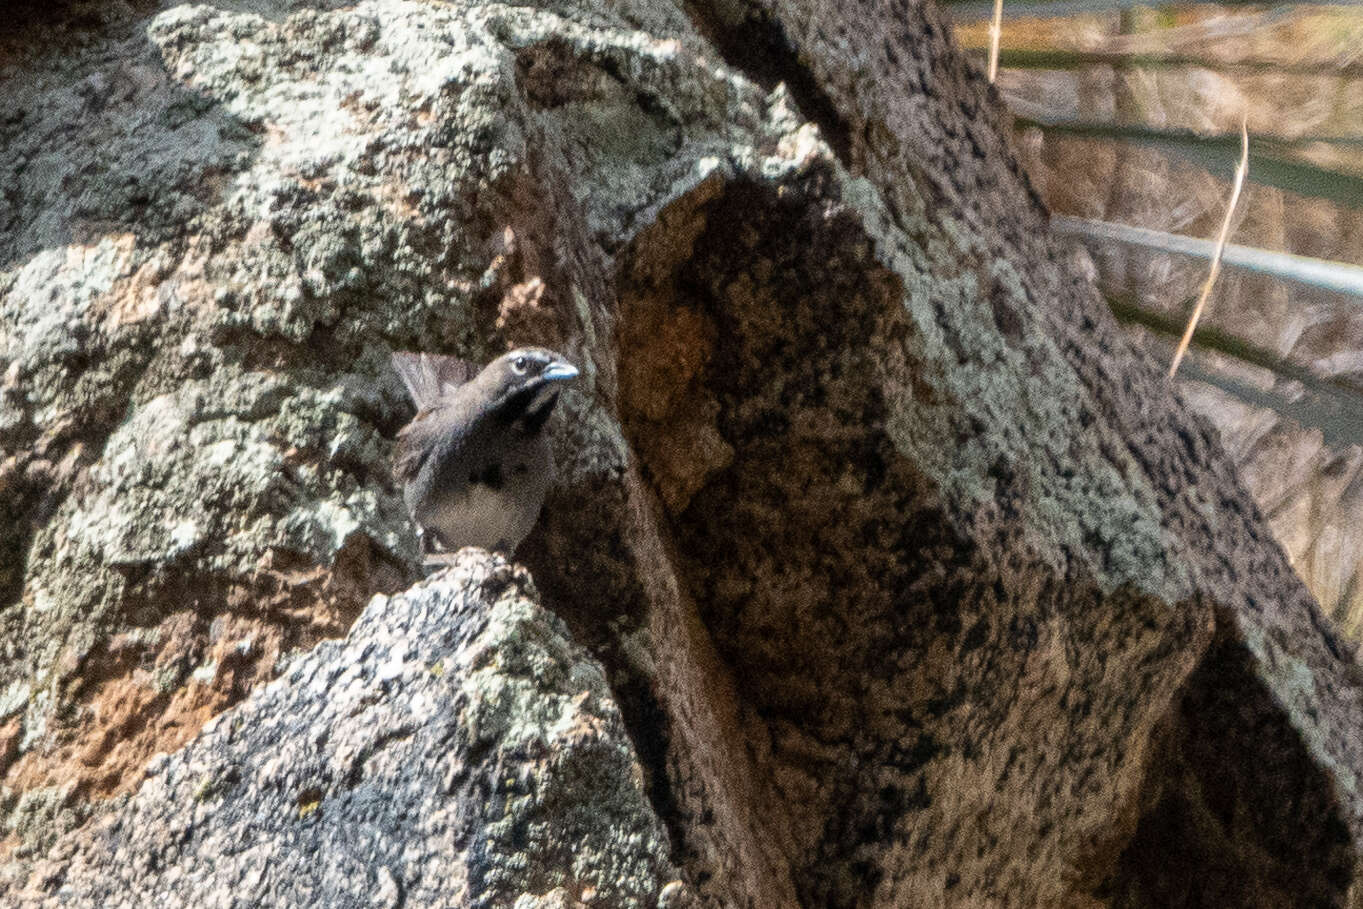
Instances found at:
x=429 y=377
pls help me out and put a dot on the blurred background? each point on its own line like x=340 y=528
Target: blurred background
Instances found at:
x=1127 y=119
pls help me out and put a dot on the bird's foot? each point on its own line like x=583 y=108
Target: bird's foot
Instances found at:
x=434 y=554
x=438 y=560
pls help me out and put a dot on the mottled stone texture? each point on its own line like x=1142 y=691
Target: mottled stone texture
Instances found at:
x=903 y=579
x=453 y=738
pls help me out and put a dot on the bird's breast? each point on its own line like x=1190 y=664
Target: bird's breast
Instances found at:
x=494 y=502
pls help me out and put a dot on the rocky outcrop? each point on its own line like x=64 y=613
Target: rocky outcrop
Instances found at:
x=455 y=749
x=910 y=583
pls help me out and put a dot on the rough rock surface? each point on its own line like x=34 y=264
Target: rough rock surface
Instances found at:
x=912 y=584
x=456 y=728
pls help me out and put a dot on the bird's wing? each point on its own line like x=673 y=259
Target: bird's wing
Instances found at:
x=415 y=443
x=448 y=431
x=431 y=377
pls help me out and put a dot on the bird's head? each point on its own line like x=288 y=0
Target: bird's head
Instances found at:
x=525 y=382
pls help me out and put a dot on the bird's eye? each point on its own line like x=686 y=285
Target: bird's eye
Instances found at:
x=518 y=365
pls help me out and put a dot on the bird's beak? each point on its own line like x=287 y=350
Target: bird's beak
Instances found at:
x=559 y=371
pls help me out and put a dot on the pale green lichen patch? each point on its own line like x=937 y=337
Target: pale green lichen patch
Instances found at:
x=977 y=348
x=39 y=816
x=14 y=698
x=209 y=465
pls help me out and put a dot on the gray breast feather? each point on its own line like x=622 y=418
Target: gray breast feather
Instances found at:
x=468 y=511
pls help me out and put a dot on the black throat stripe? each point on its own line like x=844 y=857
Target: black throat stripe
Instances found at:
x=521 y=410
x=490 y=476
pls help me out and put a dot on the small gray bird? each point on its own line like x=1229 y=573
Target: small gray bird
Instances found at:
x=475 y=462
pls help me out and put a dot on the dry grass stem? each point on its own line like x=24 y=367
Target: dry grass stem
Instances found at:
x=1221 y=238
x=995 y=31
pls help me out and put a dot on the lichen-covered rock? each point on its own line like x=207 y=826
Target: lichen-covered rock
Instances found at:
x=911 y=583
x=455 y=749
x=221 y=224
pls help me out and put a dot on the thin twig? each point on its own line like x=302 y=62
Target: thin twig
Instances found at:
x=1220 y=247
x=995 y=31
